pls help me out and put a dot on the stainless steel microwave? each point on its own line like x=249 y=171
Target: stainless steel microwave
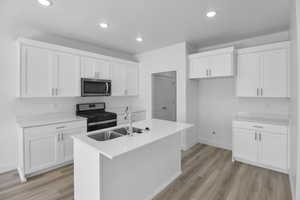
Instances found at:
x=95 y=87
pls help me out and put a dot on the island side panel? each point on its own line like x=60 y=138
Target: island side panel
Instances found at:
x=87 y=172
x=144 y=172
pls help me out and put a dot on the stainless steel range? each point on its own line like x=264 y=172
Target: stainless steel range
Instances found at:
x=97 y=117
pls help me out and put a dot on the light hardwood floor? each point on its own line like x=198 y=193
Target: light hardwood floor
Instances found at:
x=208 y=174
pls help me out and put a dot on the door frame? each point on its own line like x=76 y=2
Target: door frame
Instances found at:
x=176 y=85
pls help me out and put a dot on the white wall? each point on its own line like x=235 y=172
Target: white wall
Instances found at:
x=171 y=58
x=217 y=103
x=295 y=92
x=294 y=97
x=10 y=106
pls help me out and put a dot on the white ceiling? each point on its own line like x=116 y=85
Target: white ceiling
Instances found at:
x=160 y=22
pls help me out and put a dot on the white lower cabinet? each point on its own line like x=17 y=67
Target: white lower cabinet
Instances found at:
x=41 y=150
x=273 y=150
x=245 y=145
x=262 y=145
x=46 y=147
x=66 y=151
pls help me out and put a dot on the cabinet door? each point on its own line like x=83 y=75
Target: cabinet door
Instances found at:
x=199 y=67
x=118 y=79
x=132 y=75
x=36 y=69
x=68 y=75
x=102 y=70
x=221 y=65
x=67 y=143
x=273 y=150
x=41 y=151
x=275 y=73
x=245 y=145
x=87 y=68
x=94 y=68
x=248 y=78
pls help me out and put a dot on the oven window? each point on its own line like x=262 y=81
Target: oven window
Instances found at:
x=94 y=87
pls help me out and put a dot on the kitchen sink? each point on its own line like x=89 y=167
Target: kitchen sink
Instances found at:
x=103 y=136
x=115 y=133
x=125 y=130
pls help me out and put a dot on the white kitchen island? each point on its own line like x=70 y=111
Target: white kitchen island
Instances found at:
x=128 y=167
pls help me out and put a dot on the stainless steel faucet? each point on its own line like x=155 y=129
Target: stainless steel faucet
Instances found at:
x=128 y=115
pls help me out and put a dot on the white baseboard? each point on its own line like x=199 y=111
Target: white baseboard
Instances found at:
x=163 y=186
x=219 y=145
x=292 y=185
x=7 y=168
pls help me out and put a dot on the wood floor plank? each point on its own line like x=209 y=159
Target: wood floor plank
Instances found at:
x=207 y=174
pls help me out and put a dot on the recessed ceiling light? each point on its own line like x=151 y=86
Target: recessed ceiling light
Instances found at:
x=45 y=3
x=211 y=14
x=103 y=25
x=139 y=39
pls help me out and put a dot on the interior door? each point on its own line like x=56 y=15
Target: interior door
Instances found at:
x=248 y=78
x=67 y=143
x=41 y=151
x=164 y=98
x=37 y=66
x=221 y=65
x=199 y=67
x=68 y=75
x=118 y=79
x=132 y=74
x=245 y=144
x=273 y=150
x=275 y=73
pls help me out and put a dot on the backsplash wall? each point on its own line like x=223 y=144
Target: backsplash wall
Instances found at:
x=37 y=106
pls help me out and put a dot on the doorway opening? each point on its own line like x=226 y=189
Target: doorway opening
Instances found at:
x=164 y=95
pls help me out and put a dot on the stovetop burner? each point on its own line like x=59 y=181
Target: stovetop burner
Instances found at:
x=97 y=117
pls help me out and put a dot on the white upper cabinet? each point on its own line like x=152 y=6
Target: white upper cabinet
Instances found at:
x=118 y=79
x=132 y=82
x=221 y=65
x=198 y=67
x=211 y=64
x=95 y=68
x=264 y=71
x=124 y=77
x=48 y=70
x=248 y=76
x=67 y=75
x=275 y=69
x=48 y=73
x=36 y=72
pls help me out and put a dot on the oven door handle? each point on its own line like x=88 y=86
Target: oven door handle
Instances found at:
x=106 y=88
x=102 y=122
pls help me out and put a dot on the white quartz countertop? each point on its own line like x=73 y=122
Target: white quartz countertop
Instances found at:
x=47 y=119
x=264 y=118
x=159 y=129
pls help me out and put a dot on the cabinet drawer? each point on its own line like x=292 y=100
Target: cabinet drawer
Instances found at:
x=55 y=127
x=261 y=127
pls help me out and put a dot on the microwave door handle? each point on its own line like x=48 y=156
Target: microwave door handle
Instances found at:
x=106 y=88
